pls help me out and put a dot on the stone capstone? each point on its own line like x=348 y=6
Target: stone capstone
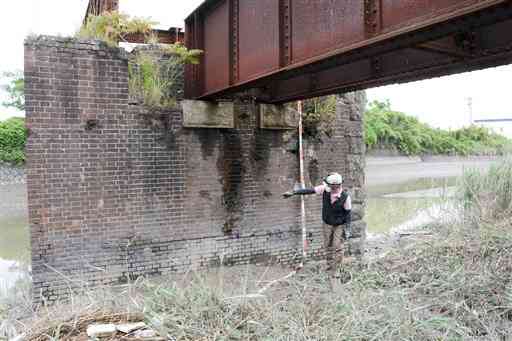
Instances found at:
x=278 y=117
x=202 y=114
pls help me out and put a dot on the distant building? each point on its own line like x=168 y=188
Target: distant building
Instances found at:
x=499 y=125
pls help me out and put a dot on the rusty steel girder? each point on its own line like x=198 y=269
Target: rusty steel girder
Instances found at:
x=171 y=36
x=282 y=50
x=96 y=7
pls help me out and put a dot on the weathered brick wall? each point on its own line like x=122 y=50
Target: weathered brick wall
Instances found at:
x=116 y=190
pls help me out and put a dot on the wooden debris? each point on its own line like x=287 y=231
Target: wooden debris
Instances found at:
x=130 y=327
x=414 y=234
x=147 y=335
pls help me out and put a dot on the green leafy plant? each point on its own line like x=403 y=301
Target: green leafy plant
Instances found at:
x=113 y=27
x=13 y=136
x=184 y=55
x=15 y=89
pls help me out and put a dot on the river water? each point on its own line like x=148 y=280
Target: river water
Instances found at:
x=14 y=234
x=404 y=194
x=398 y=195
x=396 y=205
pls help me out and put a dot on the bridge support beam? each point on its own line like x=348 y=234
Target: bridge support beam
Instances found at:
x=205 y=114
x=278 y=117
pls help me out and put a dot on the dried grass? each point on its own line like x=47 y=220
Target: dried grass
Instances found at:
x=455 y=285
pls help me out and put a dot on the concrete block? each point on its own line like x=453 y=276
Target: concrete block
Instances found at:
x=203 y=114
x=101 y=330
x=278 y=117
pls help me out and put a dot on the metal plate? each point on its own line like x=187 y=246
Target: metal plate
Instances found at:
x=321 y=25
x=396 y=14
x=283 y=50
x=216 y=47
x=258 y=44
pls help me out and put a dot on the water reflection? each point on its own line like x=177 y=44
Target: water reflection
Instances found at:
x=15 y=243
x=14 y=234
x=394 y=205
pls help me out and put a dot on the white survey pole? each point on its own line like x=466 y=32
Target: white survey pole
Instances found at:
x=470 y=110
x=302 y=184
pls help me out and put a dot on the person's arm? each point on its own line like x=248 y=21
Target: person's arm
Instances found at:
x=305 y=191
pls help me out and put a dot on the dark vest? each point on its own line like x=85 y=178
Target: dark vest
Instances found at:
x=334 y=214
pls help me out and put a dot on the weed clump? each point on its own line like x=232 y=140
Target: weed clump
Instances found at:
x=156 y=74
x=113 y=27
x=486 y=197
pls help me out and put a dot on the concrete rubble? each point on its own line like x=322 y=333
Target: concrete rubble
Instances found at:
x=128 y=331
x=101 y=330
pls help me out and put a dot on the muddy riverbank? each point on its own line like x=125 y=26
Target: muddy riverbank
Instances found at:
x=394 y=170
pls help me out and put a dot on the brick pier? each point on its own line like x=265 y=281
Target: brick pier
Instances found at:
x=117 y=191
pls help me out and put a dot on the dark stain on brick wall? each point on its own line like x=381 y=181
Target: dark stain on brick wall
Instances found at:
x=264 y=140
x=159 y=122
x=91 y=124
x=314 y=171
x=209 y=139
x=232 y=169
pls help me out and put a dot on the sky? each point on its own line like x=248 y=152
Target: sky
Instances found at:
x=441 y=102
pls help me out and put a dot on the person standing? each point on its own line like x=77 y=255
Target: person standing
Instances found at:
x=336 y=216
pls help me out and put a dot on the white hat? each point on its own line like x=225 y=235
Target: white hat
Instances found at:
x=334 y=179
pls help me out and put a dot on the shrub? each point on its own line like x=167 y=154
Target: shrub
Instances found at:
x=13 y=136
x=384 y=127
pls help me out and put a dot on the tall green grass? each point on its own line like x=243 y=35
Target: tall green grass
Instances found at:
x=487 y=196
